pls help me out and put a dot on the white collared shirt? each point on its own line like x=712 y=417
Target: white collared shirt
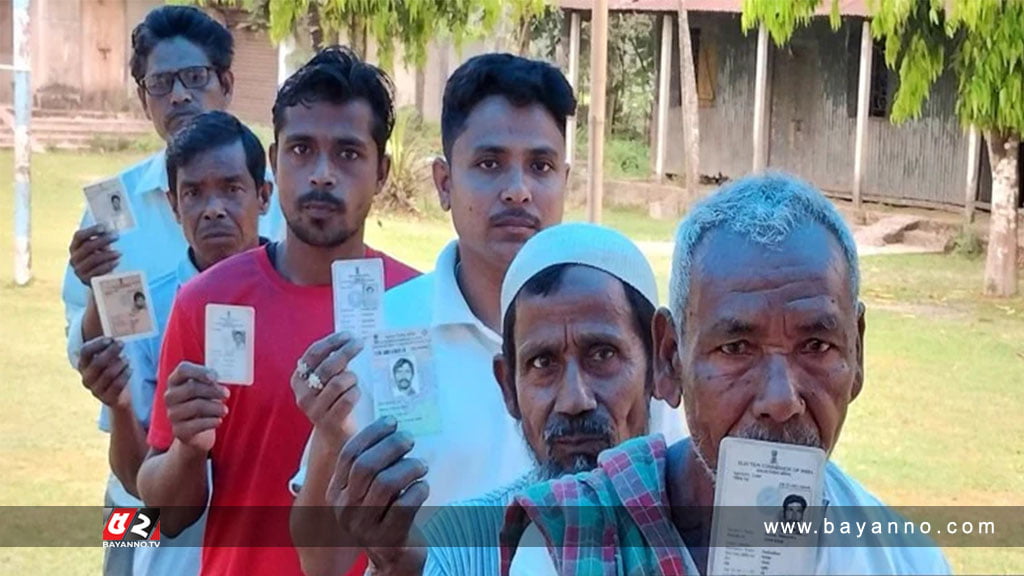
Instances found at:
x=154 y=246
x=480 y=447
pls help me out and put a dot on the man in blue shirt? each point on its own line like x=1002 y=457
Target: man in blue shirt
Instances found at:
x=216 y=170
x=181 y=63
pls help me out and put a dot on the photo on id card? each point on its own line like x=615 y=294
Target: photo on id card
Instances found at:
x=760 y=485
x=230 y=343
x=108 y=203
x=358 y=288
x=124 y=305
x=404 y=383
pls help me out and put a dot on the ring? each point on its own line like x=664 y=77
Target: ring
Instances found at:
x=302 y=369
x=314 y=382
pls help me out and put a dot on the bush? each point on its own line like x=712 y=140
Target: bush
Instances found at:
x=967 y=245
x=410 y=164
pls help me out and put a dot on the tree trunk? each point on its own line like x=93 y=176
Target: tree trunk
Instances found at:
x=1001 y=260
x=316 y=32
x=524 y=36
x=691 y=120
x=421 y=84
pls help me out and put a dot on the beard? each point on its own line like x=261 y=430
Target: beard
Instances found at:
x=560 y=426
x=315 y=231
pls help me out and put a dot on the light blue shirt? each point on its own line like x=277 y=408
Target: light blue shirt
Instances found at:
x=144 y=355
x=153 y=247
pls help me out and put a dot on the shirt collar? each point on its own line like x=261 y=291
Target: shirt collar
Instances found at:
x=154 y=175
x=450 y=306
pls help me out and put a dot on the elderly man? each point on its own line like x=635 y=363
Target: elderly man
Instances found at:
x=764 y=341
x=575 y=371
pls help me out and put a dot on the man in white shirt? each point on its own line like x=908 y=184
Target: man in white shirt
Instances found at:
x=504 y=179
x=181 y=63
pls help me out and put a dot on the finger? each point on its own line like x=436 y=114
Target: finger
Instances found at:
x=342 y=408
x=97 y=260
x=186 y=371
x=355 y=446
x=374 y=461
x=337 y=361
x=90 y=349
x=81 y=236
x=194 y=390
x=188 y=430
x=196 y=410
x=317 y=405
x=391 y=482
x=97 y=245
x=99 y=363
x=116 y=385
x=400 y=516
x=321 y=349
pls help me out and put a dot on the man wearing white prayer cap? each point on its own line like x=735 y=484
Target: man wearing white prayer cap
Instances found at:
x=575 y=372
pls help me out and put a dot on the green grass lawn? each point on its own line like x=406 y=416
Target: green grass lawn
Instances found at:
x=938 y=422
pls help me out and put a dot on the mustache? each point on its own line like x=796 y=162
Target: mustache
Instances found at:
x=517 y=214
x=322 y=197
x=589 y=424
x=799 y=434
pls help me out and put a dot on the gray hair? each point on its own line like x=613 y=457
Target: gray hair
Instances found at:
x=763 y=208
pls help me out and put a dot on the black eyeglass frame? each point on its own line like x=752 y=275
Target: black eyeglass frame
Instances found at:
x=176 y=76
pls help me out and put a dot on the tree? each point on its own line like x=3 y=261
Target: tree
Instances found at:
x=690 y=109
x=981 y=42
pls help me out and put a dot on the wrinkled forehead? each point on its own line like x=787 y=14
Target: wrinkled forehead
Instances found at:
x=587 y=298
x=806 y=272
x=174 y=54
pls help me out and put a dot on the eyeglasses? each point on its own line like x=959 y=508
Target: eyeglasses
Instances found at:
x=192 y=78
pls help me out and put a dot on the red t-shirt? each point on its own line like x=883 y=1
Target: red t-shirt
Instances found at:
x=260 y=442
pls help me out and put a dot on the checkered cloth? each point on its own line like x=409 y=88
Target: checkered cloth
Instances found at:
x=611 y=521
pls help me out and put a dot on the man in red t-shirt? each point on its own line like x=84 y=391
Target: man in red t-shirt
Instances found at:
x=332 y=119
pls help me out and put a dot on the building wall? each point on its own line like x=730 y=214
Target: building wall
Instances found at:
x=812 y=117
x=255 y=69
x=725 y=119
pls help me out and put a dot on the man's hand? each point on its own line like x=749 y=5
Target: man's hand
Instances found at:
x=376 y=492
x=324 y=388
x=105 y=371
x=195 y=405
x=92 y=254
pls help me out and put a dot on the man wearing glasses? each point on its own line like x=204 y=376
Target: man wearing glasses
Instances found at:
x=181 y=63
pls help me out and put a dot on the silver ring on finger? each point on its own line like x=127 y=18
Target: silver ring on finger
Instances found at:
x=313 y=381
x=302 y=369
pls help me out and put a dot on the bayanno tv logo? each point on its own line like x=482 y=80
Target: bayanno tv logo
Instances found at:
x=132 y=528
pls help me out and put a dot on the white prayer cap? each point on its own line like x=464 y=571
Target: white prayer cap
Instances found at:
x=582 y=244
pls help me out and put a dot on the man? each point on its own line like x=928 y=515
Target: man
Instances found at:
x=576 y=373
x=181 y=63
x=403 y=373
x=115 y=203
x=503 y=178
x=216 y=168
x=764 y=340
x=239 y=337
x=793 y=508
x=332 y=119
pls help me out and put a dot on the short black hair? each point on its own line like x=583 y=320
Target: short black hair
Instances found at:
x=403 y=362
x=211 y=130
x=795 y=499
x=548 y=281
x=521 y=81
x=190 y=23
x=336 y=75
x=138 y=295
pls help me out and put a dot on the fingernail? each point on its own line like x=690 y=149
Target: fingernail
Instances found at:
x=103 y=228
x=390 y=421
x=212 y=374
